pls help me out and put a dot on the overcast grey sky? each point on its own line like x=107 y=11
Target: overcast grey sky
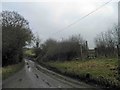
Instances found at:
x=48 y=17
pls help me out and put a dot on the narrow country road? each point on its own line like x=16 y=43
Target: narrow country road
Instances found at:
x=31 y=77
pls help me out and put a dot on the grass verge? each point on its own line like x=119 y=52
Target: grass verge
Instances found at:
x=98 y=71
x=11 y=69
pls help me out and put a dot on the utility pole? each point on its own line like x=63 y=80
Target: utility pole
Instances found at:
x=118 y=38
x=118 y=47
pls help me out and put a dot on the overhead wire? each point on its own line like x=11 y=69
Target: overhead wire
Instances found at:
x=68 y=26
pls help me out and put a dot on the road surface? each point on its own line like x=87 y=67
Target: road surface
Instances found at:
x=31 y=77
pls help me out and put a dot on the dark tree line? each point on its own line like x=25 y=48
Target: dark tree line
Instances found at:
x=15 y=35
x=68 y=49
x=106 y=43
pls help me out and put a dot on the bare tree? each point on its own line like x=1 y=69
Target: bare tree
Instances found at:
x=106 y=43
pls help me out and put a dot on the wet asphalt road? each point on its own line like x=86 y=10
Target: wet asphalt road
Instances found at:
x=31 y=77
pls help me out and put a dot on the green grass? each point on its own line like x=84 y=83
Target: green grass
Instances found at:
x=106 y=68
x=29 y=52
x=11 y=69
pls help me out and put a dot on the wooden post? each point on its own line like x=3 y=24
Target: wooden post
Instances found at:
x=86 y=43
x=81 y=51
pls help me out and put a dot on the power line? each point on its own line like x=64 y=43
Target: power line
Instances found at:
x=68 y=26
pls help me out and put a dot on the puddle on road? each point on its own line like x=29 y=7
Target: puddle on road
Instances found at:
x=43 y=80
x=29 y=69
x=36 y=76
x=20 y=80
x=48 y=84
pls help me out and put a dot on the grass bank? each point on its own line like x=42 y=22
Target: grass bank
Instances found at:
x=11 y=69
x=98 y=71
